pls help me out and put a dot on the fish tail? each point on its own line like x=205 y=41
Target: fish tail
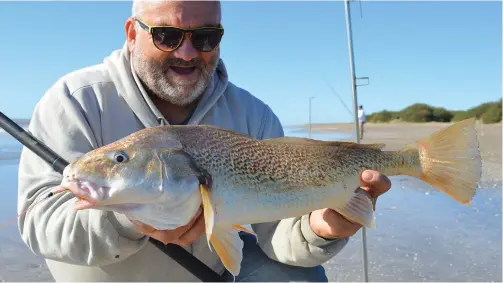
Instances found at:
x=450 y=160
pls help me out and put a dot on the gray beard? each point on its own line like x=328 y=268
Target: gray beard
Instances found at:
x=153 y=75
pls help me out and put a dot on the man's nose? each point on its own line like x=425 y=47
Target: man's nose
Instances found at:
x=186 y=51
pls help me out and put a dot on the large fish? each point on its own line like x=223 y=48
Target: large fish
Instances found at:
x=162 y=175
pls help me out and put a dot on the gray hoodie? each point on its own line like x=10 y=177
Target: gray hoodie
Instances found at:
x=97 y=105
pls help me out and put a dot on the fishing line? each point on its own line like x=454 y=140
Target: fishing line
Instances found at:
x=50 y=194
x=338 y=96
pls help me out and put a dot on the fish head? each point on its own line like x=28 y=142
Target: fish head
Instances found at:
x=148 y=183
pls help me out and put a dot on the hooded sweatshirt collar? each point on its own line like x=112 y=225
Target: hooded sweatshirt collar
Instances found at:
x=128 y=85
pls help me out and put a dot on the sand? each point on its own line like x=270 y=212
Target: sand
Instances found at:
x=396 y=135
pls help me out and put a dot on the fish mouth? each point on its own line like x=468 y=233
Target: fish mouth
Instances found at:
x=113 y=195
x=103 y=197
x=92 y=195
x=89 y=194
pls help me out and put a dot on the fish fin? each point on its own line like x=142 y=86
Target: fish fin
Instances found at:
x=229 y=247
x=244 y=229
x=209 y=212
x=451 y=162
x=226 y=241
x=313 y=142
x=359 y=209
x=225 y=130
x=241 y=228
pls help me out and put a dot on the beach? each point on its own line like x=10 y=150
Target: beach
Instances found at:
x=421 y=234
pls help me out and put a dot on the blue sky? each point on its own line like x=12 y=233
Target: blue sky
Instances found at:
x=442 y=53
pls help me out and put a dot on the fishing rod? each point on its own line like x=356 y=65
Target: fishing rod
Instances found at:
x=177 y=253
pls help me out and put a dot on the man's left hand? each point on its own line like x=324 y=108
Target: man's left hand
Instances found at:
x=182 y=236
x=329 y=224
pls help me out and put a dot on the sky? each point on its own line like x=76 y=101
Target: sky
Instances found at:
x=446 y=54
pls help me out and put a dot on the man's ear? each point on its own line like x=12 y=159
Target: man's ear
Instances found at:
x=130 y=33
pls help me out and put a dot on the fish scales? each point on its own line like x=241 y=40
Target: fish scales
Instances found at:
x=260 y=177
x=279 y=172
x=162 y=175
x=245 y=161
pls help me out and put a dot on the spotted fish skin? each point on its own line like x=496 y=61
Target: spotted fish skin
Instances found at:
x=245 y=171
x=264 y=180
x=162 y=175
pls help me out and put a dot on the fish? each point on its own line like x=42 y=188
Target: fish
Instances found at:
x=162 y=175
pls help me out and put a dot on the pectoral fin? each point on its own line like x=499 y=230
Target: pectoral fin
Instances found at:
x=359 y=208
x=241 y=228
x=229 y=247
x=209 y=212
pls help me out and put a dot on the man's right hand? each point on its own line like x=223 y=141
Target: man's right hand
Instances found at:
x=183 y=236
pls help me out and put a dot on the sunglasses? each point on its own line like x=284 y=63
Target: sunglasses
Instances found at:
x=168 y=38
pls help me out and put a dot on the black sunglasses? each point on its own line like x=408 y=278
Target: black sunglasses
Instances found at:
x=168 y=38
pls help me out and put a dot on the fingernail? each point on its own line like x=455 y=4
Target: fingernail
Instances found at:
x=367 y=176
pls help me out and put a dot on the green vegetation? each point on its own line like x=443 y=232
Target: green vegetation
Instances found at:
x=489 y=112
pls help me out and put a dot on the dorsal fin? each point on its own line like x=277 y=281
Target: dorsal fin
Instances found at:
x=221 y=129
x=306 y=141
x=303 y=141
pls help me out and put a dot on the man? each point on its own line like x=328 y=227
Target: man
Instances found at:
x=157 y=78
x=362 y=119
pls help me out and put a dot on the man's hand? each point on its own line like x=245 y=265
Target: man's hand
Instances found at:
x=182 y=236
x=329 y=224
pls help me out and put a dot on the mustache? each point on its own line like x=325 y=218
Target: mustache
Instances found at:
x=177 y=62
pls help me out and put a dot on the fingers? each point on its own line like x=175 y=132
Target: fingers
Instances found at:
x=180 y=231
x=173 y=236
x=332 y=217
x=195 y=231
x=376 y=183
x=329 y=224
x=176 y=236
x=164 y=236
x=144 y=228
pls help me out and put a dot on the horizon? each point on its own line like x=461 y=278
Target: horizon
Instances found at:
x=24 y=121
x=444 y=54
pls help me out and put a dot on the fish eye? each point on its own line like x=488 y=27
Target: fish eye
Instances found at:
x=120 y=157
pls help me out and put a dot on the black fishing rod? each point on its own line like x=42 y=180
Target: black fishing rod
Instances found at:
x=180 y=255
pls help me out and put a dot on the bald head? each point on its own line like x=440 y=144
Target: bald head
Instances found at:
x=142 y=7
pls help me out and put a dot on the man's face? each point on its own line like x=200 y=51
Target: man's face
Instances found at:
x=178 y=76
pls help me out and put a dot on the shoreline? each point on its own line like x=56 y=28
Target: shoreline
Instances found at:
x=349 y=126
